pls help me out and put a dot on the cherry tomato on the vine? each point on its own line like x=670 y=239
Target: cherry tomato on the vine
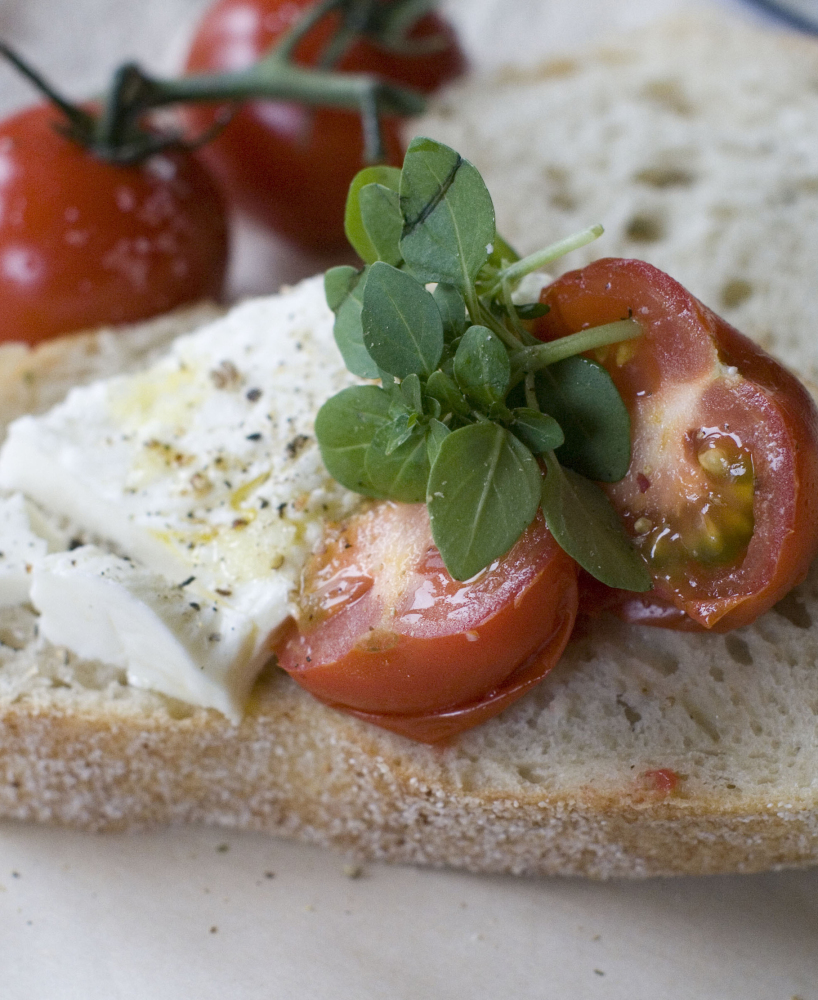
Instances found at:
x=84 y=242
x=386 y=634
x=289 y=165
x=721 y=496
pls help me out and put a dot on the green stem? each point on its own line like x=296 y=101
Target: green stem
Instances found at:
x=285 y=81
x=80 y=120
x=532 y=359
x=533 y=262
x=531 y=400
x=284 y=49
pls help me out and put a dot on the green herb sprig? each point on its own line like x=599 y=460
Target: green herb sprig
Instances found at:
x=473 y=415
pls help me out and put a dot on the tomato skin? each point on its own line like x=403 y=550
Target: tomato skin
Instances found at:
x=84 y=242
x=412 y=650
x=287 y=165
x=690 y=370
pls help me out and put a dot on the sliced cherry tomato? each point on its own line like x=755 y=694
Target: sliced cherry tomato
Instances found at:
x=386 y=634
x=288 y=165
x=721 y=496
x=84 y=242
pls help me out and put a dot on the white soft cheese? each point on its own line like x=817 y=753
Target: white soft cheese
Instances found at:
x=105 y=608
x=20 y=548
x=202 y=469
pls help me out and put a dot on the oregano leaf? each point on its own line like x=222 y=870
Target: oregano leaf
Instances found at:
x=338 y=283
x=347 y=330
x=452 y=311
x=481 y=366
x=440 y=387
x=411 y=392
x=484 y=491
x=354 y=227
x=583 y=522
x=345 y=427
x=448 y=215
x=532 y=310
x=582 y=398
x=402 y=328
x=380 y=213
x=402 y=473
x=435 y=435
x=538 y=431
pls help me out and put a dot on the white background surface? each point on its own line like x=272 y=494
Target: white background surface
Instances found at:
x=179 y=914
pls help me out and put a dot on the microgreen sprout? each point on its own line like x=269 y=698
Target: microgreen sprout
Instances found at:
x=474 y=416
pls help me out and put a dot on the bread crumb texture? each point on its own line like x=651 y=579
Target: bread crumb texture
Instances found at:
x=645 y=752
x=693 y=142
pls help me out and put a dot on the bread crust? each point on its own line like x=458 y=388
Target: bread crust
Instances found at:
x=295 y=768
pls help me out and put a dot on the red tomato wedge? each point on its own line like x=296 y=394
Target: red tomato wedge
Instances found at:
x=386 y=634
x=84 y=242
x=721 y=496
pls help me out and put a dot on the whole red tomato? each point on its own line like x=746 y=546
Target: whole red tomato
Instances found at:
x=721 y=496
x=288 y=165
x=386 y=634
x=84 y=242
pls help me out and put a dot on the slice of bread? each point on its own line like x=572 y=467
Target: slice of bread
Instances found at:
x=645 y=752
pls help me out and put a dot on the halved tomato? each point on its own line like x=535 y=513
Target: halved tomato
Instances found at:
x=721 y=496
x=386 y=634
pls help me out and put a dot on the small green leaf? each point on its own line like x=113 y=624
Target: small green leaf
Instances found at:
x=338 y=283
x=345 y=427
x=380 y=212
x=484 y=491
x=400 y=474
x=481 y=366
x=403 y=331
x=452 y=311
x=400 y=430
x=451 y=399
x=448 y=215
x=538 y=431
x=532 y=310
x=502 y=252
x=581 y=396
x=354 y=227
x=585 y=525
x=411 y=393
x=434 y=439
x=348 y=332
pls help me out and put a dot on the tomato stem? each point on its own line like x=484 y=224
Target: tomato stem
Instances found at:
x=80 y=121
x=289 y=42
x=117 y=136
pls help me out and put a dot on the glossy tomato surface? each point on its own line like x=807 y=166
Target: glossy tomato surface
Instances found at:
x=84 y=243
x=721 y=496
x=385 y=633
x=288 y=165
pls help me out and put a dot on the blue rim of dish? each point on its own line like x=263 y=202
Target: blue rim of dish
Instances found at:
x=788 y=16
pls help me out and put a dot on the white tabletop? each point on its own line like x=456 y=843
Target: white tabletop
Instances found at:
x=206 y=914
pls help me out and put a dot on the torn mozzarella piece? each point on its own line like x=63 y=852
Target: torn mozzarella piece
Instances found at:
x=203 y=469
x=20 y=548
x=167 y=638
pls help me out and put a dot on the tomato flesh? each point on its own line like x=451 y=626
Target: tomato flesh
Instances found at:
x=385 y=633
x=721 y=496
x=84 y=242
x=287 y=165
